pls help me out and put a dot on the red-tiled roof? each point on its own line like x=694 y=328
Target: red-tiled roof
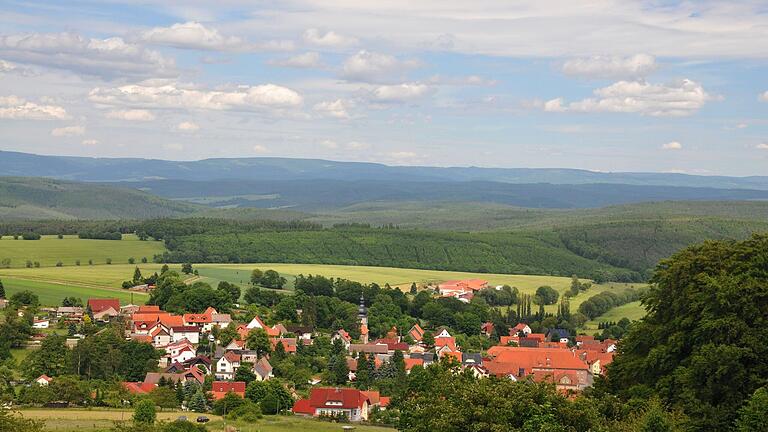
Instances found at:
x=197 y=318
x=302 y=406
x=509 y=360
x=228 y=386
x=344 y=398
x=410 y=363
x=232 y=357
x=139 y=387
x=100 y=305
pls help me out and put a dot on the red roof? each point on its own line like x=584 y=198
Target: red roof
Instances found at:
x=197 y=318
x=509 y=360
x=228 y=386
x=411 y=362
x=463 y=285
x=302 y=406
x=148 y=309
x=185 y=329
x=345 y=398
x=139 y=387
x=100 y=305
x=384 y=401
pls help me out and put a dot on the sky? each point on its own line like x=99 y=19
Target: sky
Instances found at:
x=657 y=86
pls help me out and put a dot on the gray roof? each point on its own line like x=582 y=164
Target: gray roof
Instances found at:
x=471 y=358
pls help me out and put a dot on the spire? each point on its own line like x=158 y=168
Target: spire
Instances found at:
x=361 y=310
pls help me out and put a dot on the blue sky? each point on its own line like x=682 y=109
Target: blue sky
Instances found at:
x=600 y=85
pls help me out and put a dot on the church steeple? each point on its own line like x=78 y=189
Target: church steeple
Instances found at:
x=362 y=315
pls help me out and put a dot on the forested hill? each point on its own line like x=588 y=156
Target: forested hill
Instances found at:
x=38 y=198
x=133 y=169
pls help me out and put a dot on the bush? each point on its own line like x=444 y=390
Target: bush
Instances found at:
x=144 y=412
x=546 y=295
x=31 y=236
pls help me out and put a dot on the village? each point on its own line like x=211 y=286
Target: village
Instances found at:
x=192 y=350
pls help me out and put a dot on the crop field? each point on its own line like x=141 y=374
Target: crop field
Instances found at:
x=76 y=420
x=49 y=250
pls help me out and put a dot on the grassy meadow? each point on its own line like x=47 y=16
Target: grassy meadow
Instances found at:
x=633 y=311
x=49 y=250
x=91 y=420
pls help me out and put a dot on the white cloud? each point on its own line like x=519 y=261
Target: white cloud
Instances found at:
x=164 y=94
x=672 y=145
x=107 y=58
x=400 y=92
x=369 y=66
x=307 y=60
x=615 y=67
x=8 y=67
x=173 y=146
x=17 y=108
x=762 y=146
x=329 y=144
x=68 y=131
x=764 y=96
x=336 y=109
x=90 y=142
x=469 y=80
x=131 y=115
x=328 y=39
x=258 y=148
x=403 y=155
x=357 y=145
x=188 y=126
x=194 y=35
x=680 y=98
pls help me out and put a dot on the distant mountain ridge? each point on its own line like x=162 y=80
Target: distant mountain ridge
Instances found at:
x=263 y=168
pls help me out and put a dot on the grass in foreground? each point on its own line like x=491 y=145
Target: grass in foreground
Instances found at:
x=50 y=249
x=76 y=420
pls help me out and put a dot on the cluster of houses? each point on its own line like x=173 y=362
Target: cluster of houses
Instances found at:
x=550 y=357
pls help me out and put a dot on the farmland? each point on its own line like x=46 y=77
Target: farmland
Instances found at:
x=49 y=250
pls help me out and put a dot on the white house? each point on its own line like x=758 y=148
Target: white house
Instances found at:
x=41 y=323
x=190 y=333
x=43 y=380
x=227 y=366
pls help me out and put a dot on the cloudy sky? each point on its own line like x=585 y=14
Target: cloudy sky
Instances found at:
x=603 y=85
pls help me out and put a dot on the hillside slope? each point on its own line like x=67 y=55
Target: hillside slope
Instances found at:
x=39 y=198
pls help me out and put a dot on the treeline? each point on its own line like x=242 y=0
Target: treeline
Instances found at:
x=601 y=303
x=521 y=253
x=100 y=235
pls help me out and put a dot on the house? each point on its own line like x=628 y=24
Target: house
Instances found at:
x=227 y=365
x=201 y=321
x=41 y=323
x=520 y=328
x=302 y=332
x=190 y=333
x=139 y=388
x=219 y=389
x=289 y=344
x=326 y=401
x=160 y=336
x=43 y=380
x=486 y=328
x=558 y=335
x=255 y=323
x=369 y=348
x=104 y=309
x=416 y=333
x=454 y=288
x=70 y=313
x=470 y=359
x=199 y=362
x=221 y=320
x=345 y=338
x=519 y=363
x=262 y=369
x=411 y=362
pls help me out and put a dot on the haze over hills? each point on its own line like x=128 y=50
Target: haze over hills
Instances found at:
x=133 y=169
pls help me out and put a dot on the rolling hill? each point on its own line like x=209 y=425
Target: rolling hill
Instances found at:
x=267 y=169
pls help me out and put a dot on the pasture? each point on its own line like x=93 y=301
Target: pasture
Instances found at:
x=91 y=420
x=633 y=311
x=49 y=250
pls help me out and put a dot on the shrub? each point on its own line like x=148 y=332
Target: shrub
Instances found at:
x=145 y=412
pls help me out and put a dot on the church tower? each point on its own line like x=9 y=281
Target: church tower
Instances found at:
x=362 y=315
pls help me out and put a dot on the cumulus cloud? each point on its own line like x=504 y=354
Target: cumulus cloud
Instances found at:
x=8 y=67
x=194 y=35
x=680 y=98
x=369 y=66
x=613 y=67
x=328 y=39
x=106 y=58
x=302 y=61
x=178 y=96
x=68 y=131
x=400 y=93
x=762 y=146
x=336 y=109
x=188 y=126
x=17 y=108
x=131 y=115
x=672 y=145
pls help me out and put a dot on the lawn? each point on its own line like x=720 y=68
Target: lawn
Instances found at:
x=51 y=293
x=633 y=311
x=50 y=249
x=75 y=420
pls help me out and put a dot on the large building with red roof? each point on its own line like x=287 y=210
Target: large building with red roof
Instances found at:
x=541 y=364
x=352 y=403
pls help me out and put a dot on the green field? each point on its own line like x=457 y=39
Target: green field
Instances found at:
x=49 y=250
x=634 y=311
x=54 y=283
x=75 y=420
